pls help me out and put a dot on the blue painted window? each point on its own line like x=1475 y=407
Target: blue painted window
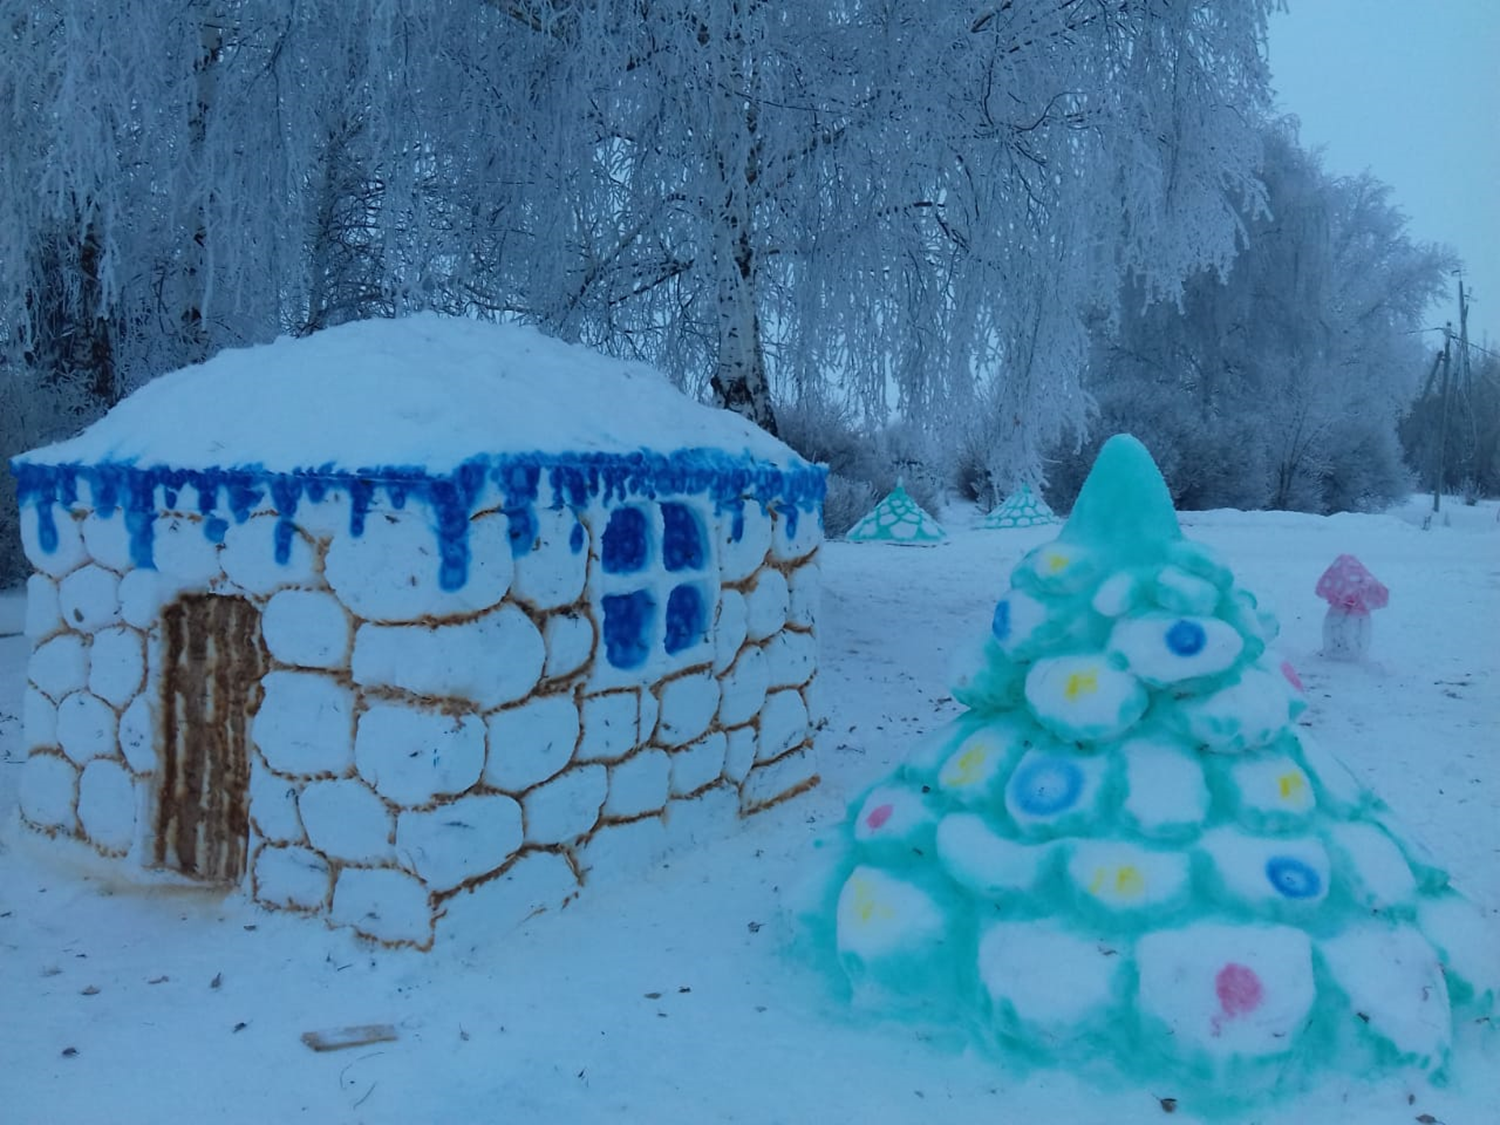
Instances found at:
x=626 y=542
x=687 y=618
x=629 y=620
x=682 y=538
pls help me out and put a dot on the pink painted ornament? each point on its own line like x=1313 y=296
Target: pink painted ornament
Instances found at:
x=1239 y=990
x=879 y=815
x=1291 y=676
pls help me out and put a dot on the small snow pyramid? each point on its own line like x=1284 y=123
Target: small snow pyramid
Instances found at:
x=1127 y=856
x=1022 y=508
x=897 y=519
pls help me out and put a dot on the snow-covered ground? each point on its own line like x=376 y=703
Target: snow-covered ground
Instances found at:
x=675 y=998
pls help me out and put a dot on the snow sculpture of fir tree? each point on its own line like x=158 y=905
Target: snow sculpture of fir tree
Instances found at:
x=1127 y=852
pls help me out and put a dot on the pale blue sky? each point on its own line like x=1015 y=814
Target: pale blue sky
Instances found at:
x=1409 y=89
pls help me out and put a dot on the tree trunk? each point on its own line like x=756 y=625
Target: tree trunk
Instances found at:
x=739 y=380
x=194 y=271
x=70 y=344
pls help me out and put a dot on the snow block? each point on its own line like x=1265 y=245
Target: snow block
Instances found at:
x=618 y=851
x=698 y=820
x=743 y=688
x=804 y=595
x=783 y=724
x=570 y=640
x=459 y=840
x=1226 y=991
x=534 y=884
x=117 y=665
x=794 y=537
x=687 y=705
x=59 y=666
x=697 y=764
x=43 y=609
x=532 y=742
x=391 y=572
x=1044 y=981
x=772 y=782
x=412 y=755
x=972 y=853
x=1166 y=793
x=90 y=598
x=142 y=594
x=384 y=904
x=307 y=628
x=640 y=784
x=138 y=734
x=609 y=726
x=742 y=554
x=891 y=935
x=739 y=753
x=183 y=554
x=561 y=810
x=791 y=658
x=49 y=792
x=767 y=602
x=261 y=555
x=553 y=572
x=493 y=660
x=346 y=821
x=273 y=807
x=108 y=540
x=1165 y=649
x=729 y=628
x=305 y=724
x=86 y=727
x=292 y=879
x=38 y=719
x=65 y=550
x=107 y=806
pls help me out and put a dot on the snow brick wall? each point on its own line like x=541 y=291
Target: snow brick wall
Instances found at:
x=567 y=625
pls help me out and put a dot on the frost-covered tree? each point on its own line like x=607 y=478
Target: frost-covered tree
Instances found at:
x=914 y=200
x=1280 y=385
x=1460 y=430
x=905 y=205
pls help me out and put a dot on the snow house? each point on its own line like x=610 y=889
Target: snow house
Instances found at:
x=414 y=625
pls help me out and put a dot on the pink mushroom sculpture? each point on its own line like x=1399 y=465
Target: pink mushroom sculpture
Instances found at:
x=1351 y=592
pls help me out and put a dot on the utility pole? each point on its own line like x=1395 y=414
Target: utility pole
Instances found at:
x=1467 y=385
x=1437 y=484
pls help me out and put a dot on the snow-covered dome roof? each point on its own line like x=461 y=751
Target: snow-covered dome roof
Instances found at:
x=426 y=392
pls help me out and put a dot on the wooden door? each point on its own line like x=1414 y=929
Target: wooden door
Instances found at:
x=212 y=662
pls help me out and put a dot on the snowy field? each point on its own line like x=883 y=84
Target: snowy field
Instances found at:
x=675 y=998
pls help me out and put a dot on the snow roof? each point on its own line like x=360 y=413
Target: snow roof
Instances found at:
x=424 y=392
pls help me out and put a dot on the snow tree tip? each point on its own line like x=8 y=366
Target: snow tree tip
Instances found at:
x=1124 y=506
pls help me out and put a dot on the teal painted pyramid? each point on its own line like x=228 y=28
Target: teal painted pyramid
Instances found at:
x=1022 y=508
x=1127 y=859
x=897 y=519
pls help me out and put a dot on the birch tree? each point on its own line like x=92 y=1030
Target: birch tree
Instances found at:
x=909 y=204
x=917 y=202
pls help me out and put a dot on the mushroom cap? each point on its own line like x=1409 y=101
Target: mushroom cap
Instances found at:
x=1347 y=584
